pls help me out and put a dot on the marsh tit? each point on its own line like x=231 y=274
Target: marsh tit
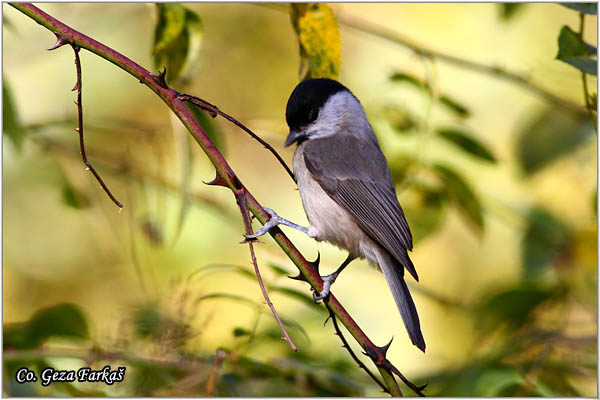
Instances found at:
x=347 y=190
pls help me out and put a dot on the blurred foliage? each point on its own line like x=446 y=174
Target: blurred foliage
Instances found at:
x=509 y=10
x=531 y=330
x=467 y=143
x=574 y=51
x=11 y=124
x=549 y=135
x=586 y=8
x=319 y=40
x=177 y=40
x=63 y=320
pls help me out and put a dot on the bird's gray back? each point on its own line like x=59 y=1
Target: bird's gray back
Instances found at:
x=353 y=171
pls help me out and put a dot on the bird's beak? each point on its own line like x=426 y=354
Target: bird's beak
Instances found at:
x=292 y=137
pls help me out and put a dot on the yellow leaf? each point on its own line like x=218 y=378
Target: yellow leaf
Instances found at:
x=319 y=39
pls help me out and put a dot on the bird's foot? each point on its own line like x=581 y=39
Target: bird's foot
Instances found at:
x=272 y=223
x=327 y=282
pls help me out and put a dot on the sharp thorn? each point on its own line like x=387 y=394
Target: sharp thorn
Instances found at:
x=76 y=87
x=218 y=181
x=160 y=78
x=87 y=169
x=77 y=129
x=385 y=348
x=316 y=262
x=300 y=277
x=60 y=41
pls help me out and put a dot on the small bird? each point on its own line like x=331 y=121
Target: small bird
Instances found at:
x=347 y=190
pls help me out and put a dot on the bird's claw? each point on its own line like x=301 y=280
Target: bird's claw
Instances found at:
x=271 y=223
x=327 y=282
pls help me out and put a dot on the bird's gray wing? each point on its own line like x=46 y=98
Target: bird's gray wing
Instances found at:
x=354 y=172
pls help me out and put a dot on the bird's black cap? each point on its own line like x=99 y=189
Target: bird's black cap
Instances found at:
x=306 y=100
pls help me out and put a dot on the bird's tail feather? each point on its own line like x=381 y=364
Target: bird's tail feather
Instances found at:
x=408 y=311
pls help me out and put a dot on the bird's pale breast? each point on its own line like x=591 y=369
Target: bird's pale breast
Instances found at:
x=328 y=221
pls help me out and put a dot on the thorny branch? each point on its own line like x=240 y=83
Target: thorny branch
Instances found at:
x=243 y=205
x=346 y=345
x=79 y=129
x=224 y=174
x=214 y=111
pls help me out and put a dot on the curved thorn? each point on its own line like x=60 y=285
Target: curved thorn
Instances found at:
x=218 y=181
x=300 y=277
x=160 y=78
x=385 y=348
x=316 y=262
x=60 y=41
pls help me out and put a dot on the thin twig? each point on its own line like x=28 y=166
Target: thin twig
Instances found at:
x=586 y=96
x=243 y=204
x=79 y=129
x=212 y=381
x=352 y=354
x=495 y=71
x=93 y=354
x=417 y=389
x=214 y=110
x=382 y=32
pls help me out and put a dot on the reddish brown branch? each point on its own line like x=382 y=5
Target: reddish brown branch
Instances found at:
x=243 y=204
x=79 y=129
x=214 y=110
x=346 y=345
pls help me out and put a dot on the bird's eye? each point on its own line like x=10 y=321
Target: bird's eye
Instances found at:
x=313 y=115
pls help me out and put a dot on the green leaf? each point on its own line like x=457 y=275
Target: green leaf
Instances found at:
x=278 y=270
x=574 y=51
x=62 y=320
x=424 y=208
x=509 y=10
x=584 y=64
x=177 y=40
x=238 y=332
x=552 y=134
x=401 y=120
x=454 y=106
x=220 y=268
x=513 y=306
x=545 y=240
x=208 y=126
x=462 y=196
x=586 y=8
x=451 y=104
x=466 y=143
x=186 y=157
x=73 y=197
x=234 y=297
x=403 y=77
x=150 y=322
x=11 y=124
x=319 y=39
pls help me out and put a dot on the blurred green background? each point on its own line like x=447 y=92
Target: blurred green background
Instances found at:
x=498 y=184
